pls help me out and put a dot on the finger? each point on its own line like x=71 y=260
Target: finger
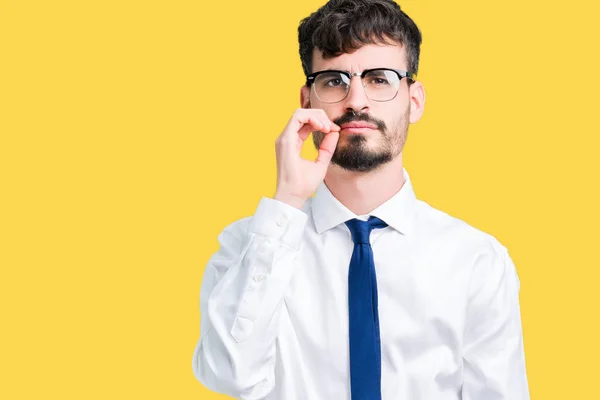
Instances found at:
x=290 y=140
x=318 y=124
x=315 y=115
x=325 y=120
x=301 y=121
x=327 y=148
x=305 y=131
x=305 y=116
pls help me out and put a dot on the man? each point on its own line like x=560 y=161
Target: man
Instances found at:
x=363 y=291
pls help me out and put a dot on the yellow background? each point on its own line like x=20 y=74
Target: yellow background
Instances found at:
x=133 y=132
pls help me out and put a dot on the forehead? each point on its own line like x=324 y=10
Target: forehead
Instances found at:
x=368 y=56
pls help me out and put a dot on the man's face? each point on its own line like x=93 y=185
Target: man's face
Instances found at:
x=366 y=149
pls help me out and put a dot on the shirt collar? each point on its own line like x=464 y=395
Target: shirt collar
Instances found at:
x=398 y=211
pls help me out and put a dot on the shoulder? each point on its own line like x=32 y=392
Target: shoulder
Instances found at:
x=441 y=228
x=452 y=241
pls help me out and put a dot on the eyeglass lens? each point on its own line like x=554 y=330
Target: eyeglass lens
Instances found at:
x=380 y=85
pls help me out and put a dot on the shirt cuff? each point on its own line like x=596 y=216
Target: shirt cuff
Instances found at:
x=276 y=219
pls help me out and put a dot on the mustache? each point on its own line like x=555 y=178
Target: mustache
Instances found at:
x=351 y=117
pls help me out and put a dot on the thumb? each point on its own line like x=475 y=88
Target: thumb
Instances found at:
x=327 y=148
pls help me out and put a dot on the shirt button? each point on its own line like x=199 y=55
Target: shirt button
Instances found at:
x=259 y=278
x=282 y=220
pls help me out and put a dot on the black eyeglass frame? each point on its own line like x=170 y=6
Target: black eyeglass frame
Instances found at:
x=310 y=79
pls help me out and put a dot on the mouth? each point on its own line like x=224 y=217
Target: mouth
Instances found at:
x=363 y=130
x=358 y=127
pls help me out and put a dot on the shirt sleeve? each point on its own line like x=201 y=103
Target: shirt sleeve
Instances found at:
x=241 y=300
x=493 y=353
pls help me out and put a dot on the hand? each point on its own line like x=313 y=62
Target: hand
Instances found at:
x=297 y=178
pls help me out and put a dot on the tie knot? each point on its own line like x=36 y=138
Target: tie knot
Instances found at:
x=361 y=230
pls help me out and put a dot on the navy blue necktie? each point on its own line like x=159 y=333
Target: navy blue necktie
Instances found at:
x=365 y=347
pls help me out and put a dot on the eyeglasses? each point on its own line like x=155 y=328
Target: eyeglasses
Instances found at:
x=381 y=84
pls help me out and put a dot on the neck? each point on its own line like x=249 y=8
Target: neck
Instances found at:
x=362 y=192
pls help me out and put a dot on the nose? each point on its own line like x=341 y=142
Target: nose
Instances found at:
x=356 y=99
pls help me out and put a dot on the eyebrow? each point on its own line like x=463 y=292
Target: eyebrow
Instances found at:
x=345 y=70
x=332 y=69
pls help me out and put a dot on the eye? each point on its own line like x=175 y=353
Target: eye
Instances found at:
x=333 y=82
x=379 y=81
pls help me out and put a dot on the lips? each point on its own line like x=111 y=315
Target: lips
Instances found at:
x=358 y=125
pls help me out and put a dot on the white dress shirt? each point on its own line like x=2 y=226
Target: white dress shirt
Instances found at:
x=274 y=305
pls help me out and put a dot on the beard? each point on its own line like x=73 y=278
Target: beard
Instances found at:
x=352 y=152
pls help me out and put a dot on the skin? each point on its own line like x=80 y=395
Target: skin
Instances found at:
x=362 y=169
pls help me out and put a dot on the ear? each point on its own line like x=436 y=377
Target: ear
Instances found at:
x=417 y=101
x=304 y=97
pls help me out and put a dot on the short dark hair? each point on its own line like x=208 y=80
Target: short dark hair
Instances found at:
x=343 y=26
